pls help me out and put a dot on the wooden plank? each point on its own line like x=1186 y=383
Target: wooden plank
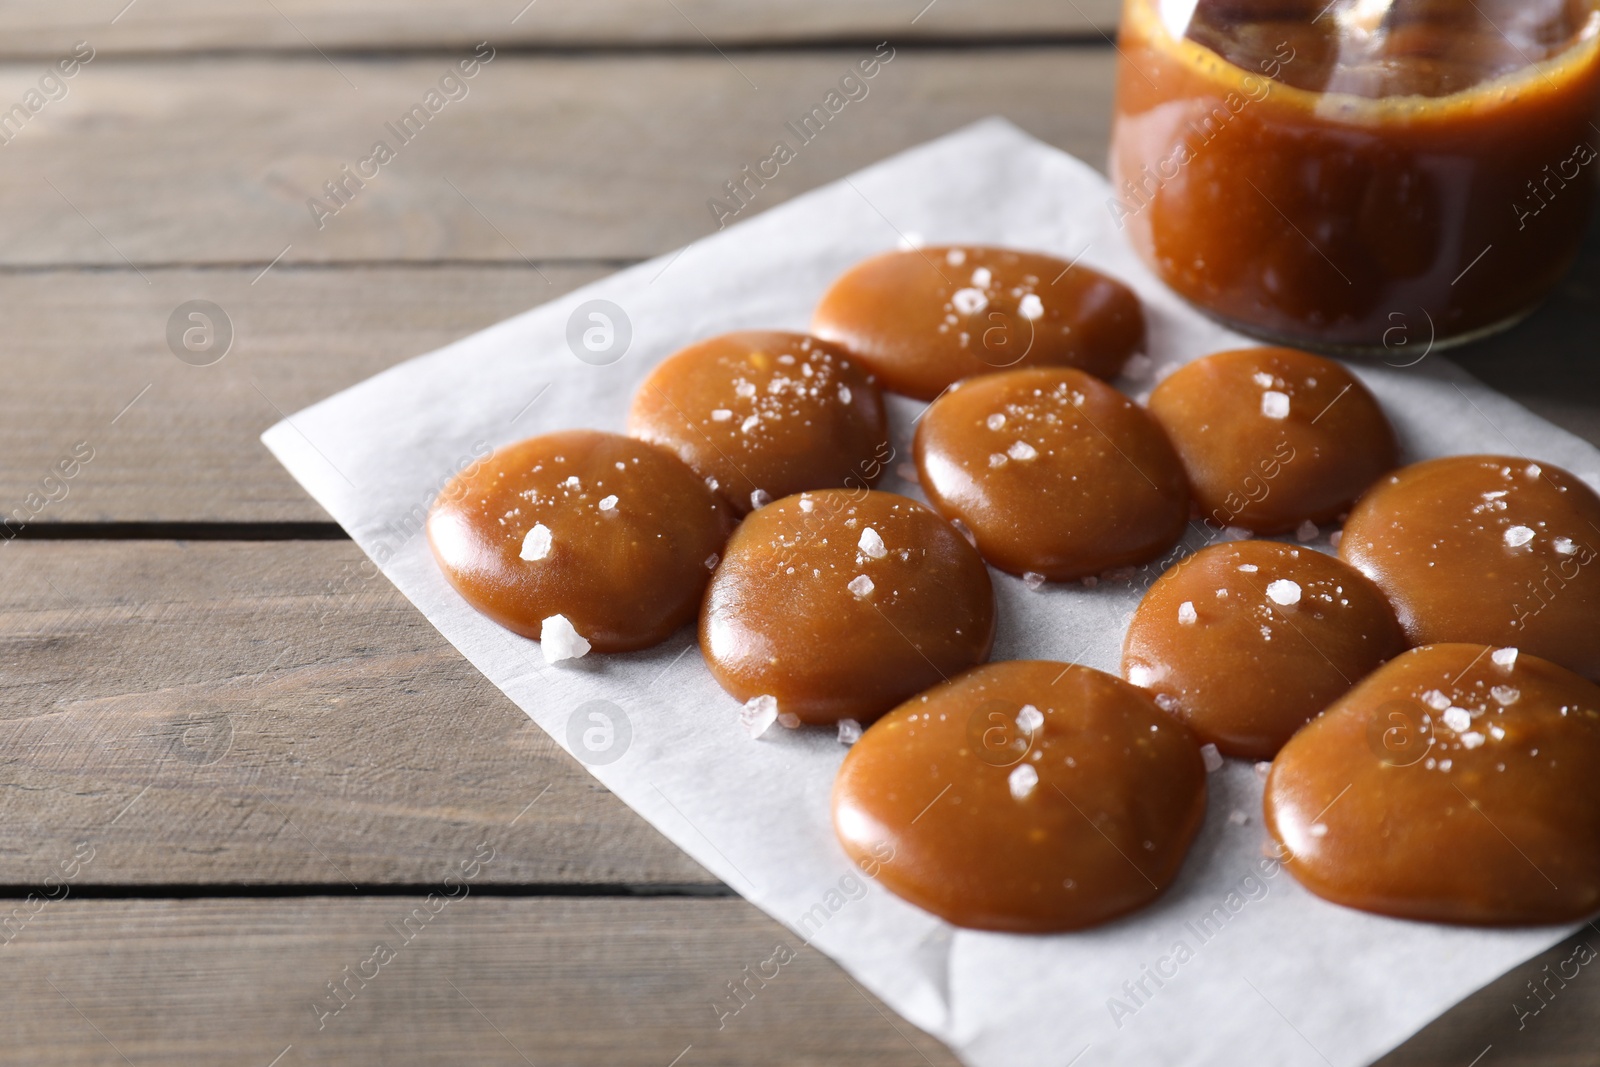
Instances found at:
x=485 y=981
x=82 y=345
x=544 y=157
x=265 y=713
x=29 y=29
x=515 y=981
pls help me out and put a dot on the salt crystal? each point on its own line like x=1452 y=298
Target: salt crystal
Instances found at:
x=1211 y=757
x=1517 y=536
x=1435 y=700
x=1141 y=675
x=1238 y=818
x=572 y=482
x=1235 y=533
x=1022 y=450
x=788 y=720
x=872 y=544
x=712 y=561
x=760 y=498
x=712 y=484
x=1319 y=829
x=1030 y=718
x=559 y=641
x=536 y=545
x=1248 y=568
x=860 y=585
x=1022 y=781
x=1505 y=695
x=745 y=389
x=750 y=423
x=1166 y=703
x=969 y=301
x=1504 y=657
x=806 y=503
x=997 y=459
x=1033 y=580
x=1284 y=592
x=995 y=421
x=1307 y=532
x=849 y=731
x=1458 y=719
x=1186 y=613
x=982 y=278
x=1444 y=764
x=845 y=394
x=607 y=503
x=1534 y=470
x=1263 y=768
x=1565 y=546
x=721 y=415
x=1334 y=539
x=1262 y=379
x=758 y=714
x=1275 y=405
x=1138 y=367
x=1471 y=740
x=1030 y=307
x=955 y=257
x=1497 y=732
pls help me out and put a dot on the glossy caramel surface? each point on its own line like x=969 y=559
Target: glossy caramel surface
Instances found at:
x=925 y=318
x=1343 y=174
x=625 y=576
x=765 y=411
x=1080 y=813
x=1271 y=437
x=1456 y=784
x=1489 y=549
x=1053 y=471
x=841 y=604
x=1248 y=641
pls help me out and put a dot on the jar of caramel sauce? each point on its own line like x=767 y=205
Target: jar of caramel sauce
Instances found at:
x=1358 y=174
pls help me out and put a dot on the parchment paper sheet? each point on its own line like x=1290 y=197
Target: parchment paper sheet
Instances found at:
x=1283 y=979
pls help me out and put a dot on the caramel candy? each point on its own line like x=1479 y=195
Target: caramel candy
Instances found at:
x=1456 y=784
x=929 y=317
x=1273 y=437
x=1053 y=471
x=614 y=535
x=842 y=604
x=765 y=414
x=1248 y=641
x=1025 y=796
x=1489 y=549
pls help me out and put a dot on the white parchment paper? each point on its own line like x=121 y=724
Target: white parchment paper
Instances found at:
x=1272 y=975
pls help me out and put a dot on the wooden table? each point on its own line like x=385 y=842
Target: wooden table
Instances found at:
x=233 y=762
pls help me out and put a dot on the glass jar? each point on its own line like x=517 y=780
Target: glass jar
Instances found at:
x=1324 y=174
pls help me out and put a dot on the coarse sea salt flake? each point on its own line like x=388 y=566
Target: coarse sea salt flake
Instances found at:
x=1471 y=739
x=860 y=586
x=849 y=731
x=982 y=278
x=969 y=301
x=1307 y=532
x=1505 y=695
x=1033 y=580
x=760 y=498
x=1284 y=592
x=1517 y=536
x=608 y=503
x=1435 y=700
x=1186 y=613
x=750 y=423
x=872 y=544
x=1248 y=568
x=1458 y=719
x=1504 y=657
x=721 y=415
x=1030 y=307
x=1022 y=450
x=1022 y=781
x=559 y=641
x=1030 y=718
x=995 y=421
x=1275 y=405
x=788 y=720
x=955 y=257
x=1211 y=757
x=806 y=503
x=758 y=714
x=1565 y=546
x=536 y=545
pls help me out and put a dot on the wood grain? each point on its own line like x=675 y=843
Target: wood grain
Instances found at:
x=507 y=981
x=213 y=160
x=29 y=29
x=83 y=344
x=263 y=713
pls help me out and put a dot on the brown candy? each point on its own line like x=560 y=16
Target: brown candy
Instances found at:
x=1248 y=641
x=613 y=534
x=1053 y=471
x=929 y=317
x=1455 y=784
x=1273 y=437
x=842 y=604
x=765 y=414
x=1023 y=796
x=1488 y=549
